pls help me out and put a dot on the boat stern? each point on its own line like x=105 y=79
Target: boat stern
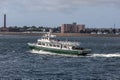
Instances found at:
x=84 y=52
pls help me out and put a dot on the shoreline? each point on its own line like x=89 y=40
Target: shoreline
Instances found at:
x=59 y=34
x=85 y=35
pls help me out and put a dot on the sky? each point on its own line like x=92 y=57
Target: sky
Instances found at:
x=53 y=13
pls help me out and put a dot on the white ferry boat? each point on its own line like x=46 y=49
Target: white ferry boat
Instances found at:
x=49 y=43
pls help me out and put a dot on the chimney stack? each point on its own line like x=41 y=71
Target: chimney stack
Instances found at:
x=5 y=21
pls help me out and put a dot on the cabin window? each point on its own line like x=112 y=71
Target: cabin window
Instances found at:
x=54 y=45
x=39 y=43
x=65 y=46
x=43 y=43
x=50 y=44
x=58 y=46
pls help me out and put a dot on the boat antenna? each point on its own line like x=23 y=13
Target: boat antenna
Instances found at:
x=49 y=33
x=50 y=30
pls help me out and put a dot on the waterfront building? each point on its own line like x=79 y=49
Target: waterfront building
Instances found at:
x=72 y=28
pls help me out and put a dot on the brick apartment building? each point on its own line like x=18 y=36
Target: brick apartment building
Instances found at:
x=72 y=28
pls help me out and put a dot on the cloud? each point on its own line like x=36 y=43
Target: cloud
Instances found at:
x=52 y=5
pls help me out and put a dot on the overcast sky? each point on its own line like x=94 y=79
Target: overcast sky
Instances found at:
x=52 y=13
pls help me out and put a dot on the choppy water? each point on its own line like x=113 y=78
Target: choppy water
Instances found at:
x=18 y=63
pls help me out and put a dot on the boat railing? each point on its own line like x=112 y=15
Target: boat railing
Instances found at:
x=69 y=43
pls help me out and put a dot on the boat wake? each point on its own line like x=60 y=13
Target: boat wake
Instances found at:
x=89 y=55
x=106 y=55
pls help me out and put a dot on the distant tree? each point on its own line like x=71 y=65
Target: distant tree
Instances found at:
x=15 y=27
x=34 y=27
x=56 y=29
x=82 y=31
x=114 y=31
x=40 y=27
x=94 y=30
x=107 y=31
x=25 y=27
x=87 y=30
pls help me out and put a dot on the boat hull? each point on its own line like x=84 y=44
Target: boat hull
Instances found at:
x=60 y=51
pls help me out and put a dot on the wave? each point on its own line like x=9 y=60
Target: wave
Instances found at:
x=89 y=55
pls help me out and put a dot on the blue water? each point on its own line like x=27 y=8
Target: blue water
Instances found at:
x=18 y=63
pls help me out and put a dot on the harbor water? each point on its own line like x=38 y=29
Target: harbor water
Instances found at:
x=17 y=62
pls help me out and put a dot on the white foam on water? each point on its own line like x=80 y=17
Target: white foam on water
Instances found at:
x=106 y=55
x=39 y=52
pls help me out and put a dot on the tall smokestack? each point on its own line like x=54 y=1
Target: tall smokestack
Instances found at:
x=4 y=20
